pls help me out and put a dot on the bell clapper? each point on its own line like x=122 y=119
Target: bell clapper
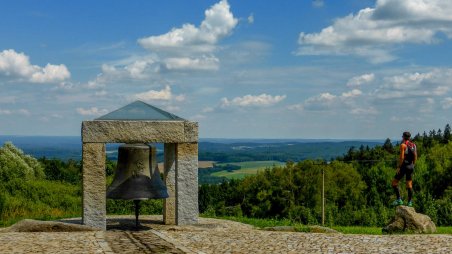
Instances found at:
x=137 y=212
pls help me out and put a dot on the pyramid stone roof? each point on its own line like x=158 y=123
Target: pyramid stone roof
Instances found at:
x=139 y=110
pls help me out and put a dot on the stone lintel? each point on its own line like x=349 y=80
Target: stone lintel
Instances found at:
x=117 y=131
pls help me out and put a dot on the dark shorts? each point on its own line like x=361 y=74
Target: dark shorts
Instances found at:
x=406 y=169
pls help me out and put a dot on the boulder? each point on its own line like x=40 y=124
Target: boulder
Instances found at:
x=406 y=220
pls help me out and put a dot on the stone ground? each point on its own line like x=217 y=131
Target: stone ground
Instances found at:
x=212 y=236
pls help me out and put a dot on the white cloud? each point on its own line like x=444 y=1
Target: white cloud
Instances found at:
x=5 y=112
x=251 y=18
x=137 y=69
x=17 y=65
x=351 y=94
x=208 y=110
x=319 y=103
x=328 y=101
x=252 y=100
x=23 y=112
x=164 y=94
x=93 y=111
x=364 y=111
x=7 y=99
x=197 y=117
x=190 y=47
x=186 y=63
x=360 y=80
x=159 y=95
x=218 y=23
x=405 y=119
x=372 y=32
x=447 y=103
x=318 y=3
x=433 y=83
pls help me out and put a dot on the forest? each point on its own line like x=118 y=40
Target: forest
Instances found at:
x=357 y=187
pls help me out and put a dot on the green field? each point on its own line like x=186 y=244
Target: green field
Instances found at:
x=247 y=168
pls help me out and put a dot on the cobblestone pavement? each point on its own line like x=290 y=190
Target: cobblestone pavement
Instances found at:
x=53 y=242
x=213 y=236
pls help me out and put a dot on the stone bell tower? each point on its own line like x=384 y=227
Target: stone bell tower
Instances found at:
x=139 y=122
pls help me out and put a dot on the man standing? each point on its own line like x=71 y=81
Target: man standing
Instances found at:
x=405 y=166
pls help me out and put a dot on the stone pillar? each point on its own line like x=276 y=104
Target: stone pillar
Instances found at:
x=187 y=210
x=169 y=177
x=94 y=190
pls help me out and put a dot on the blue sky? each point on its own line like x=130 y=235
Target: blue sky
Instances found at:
x=351 y=69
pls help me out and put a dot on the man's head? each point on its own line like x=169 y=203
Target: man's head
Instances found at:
x=406 y=135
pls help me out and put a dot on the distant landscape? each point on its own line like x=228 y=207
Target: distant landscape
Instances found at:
x=219 y=150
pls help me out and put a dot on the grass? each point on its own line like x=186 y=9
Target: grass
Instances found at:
x=247 y=168
x=263 y=223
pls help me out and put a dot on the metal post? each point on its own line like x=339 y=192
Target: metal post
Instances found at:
x=137 y=213
x=323 y=196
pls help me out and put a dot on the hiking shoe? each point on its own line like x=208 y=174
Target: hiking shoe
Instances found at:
x=410 y=203
x=397 y=202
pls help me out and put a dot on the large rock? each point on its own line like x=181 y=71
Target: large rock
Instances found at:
x=407 y=220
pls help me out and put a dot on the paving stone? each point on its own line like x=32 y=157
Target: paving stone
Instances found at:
x=213 y=236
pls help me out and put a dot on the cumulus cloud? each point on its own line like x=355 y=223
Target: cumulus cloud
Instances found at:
x=218 y=23
x=7 y=99
x=433 y=83
x=5 y=112
x=318 y=3
x=328 y=101
x=261 y=100
x=317 y=103
x=351 y=94
x=158 y=95
x=192 y=48
x=364 y=111
x=17 y=65
x=447 y=103
x=22 y=111
x=186 y=63
x=372 y=32
x=251 y=18
x=93 y=111
x=361 y=80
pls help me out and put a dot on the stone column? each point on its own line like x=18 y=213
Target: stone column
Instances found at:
x=187 y=210
x=94 y=190
x=169 y=177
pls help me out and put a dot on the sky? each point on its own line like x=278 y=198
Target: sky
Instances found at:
x=349 y=69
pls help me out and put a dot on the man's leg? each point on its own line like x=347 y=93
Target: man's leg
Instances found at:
x=395 y=186
x=409 y=188
x=409 y=183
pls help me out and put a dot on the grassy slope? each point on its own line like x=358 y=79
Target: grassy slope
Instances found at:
x=262 y=223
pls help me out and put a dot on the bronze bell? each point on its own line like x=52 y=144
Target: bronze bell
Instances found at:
x=133 y=179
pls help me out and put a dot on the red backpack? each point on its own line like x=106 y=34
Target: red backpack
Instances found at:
x=410 y=152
